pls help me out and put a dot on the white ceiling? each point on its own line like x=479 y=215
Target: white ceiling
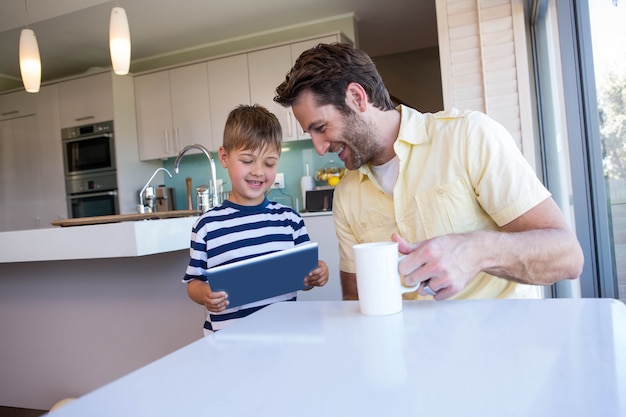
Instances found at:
x=73 y=34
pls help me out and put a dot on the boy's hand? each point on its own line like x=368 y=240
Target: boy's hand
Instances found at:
x=215 y=301
x=317 y=277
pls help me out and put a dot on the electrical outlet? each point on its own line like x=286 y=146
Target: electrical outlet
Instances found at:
x=279 y=182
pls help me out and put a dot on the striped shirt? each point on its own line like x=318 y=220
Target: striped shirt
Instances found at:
x=230 y=233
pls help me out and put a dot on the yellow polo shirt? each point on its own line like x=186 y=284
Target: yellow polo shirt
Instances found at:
x=459 y=171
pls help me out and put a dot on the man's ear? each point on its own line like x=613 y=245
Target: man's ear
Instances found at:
x=356 y=96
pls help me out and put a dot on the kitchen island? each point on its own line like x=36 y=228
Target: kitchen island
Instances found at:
x=82 y=306
x=97 y=241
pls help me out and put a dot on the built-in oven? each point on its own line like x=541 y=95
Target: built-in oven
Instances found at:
x=92 y=195
x=90 y=174
x=88 y=148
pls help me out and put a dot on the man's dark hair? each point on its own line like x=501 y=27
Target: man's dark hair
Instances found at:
x=326 y=70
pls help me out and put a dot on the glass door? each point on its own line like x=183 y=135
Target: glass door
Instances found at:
x=582 y=129
x=608 y=31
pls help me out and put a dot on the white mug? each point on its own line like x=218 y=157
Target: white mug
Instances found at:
x=378 y=281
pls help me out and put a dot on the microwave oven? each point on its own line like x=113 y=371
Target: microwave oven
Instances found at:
x=88 y=149
x=319 y=199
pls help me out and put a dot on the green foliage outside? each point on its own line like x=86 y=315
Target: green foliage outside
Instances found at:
x=611 y=107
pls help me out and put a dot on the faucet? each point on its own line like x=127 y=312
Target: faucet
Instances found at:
x=148 y=183
x=211 y=161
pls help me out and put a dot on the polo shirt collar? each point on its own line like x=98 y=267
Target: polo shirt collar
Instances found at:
x=412 y=132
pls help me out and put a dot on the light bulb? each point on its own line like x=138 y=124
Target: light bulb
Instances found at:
x=30 y=63
x=119 y=41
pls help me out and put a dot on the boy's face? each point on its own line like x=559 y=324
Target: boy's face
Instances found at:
x=251 y=173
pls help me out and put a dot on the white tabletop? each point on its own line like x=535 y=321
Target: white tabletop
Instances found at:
x=561 y=357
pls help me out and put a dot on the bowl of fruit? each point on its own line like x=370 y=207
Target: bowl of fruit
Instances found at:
x=331 y=173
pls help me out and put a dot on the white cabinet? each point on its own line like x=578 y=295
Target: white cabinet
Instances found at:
x=20 y=175
x=51 y=203
x=154 y=116
x=17 y=104
x=86 y=100
x=228 y=88
x=172 y=111
x=267 y=69
x=31 y=167
x=321 y=228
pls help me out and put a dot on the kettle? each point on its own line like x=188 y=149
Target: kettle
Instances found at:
x=202 y=198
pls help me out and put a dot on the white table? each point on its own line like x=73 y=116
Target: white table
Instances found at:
x=454 y=358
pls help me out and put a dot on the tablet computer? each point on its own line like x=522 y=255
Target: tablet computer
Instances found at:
x=264 y=276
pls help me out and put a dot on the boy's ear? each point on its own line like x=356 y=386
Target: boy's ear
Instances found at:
x=222 y=155
x=356 y=96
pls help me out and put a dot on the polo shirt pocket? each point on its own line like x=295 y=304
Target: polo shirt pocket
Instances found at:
x=449 y=208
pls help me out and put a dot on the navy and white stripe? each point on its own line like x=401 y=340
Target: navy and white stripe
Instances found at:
x=230 y=233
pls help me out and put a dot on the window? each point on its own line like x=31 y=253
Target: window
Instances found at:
x=575 y=149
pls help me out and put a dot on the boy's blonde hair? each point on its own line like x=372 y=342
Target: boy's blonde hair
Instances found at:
x=252 y=127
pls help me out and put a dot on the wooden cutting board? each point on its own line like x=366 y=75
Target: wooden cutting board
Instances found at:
x=82 y=221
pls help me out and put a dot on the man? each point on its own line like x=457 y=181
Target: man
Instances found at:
x=452 y=188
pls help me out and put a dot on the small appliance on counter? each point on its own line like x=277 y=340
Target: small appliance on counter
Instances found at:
x=164 y=199
x=319 y=199
x=307 y=183
x=156 y=199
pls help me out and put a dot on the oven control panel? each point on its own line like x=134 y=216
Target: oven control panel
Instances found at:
x=95 y=182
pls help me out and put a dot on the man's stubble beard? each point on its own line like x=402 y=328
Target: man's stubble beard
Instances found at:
x=360 y=137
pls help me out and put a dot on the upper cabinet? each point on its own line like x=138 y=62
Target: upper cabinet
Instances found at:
x=189 y=104
x=17 y=104
x=267 y=69
x=172 y=111
x=86 y=100
x=228 y=88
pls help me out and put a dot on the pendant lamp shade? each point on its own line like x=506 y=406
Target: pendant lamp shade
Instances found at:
x=30 y=63
x=119 y=41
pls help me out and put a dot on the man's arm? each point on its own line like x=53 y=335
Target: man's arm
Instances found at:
x=348 y=285
x=536 y=248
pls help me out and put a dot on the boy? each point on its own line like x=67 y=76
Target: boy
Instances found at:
x=247 y=224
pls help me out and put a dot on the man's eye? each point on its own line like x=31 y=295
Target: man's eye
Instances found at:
x=320 y=129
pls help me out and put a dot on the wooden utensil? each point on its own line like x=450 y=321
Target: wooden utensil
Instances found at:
x=189 y=202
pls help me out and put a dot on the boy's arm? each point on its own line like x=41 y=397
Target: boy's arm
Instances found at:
x=200 y=292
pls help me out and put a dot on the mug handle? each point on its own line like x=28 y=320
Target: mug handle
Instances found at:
x=404 y=288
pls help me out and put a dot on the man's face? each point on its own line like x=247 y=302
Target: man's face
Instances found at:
x=350 y=136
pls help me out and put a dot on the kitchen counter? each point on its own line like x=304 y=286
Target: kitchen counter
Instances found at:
x=315 y=213
x=125 y=239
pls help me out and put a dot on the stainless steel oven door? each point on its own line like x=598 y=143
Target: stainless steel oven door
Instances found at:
x=103 y=203
x=89 y=154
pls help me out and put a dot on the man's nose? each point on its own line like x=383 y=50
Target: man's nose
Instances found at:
x=321 y=146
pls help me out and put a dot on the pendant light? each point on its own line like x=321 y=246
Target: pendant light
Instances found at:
x=119 y=41
x=30 y=63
